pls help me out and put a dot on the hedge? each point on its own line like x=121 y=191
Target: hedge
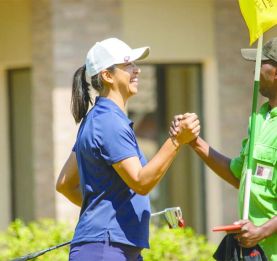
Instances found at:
x=166 y=244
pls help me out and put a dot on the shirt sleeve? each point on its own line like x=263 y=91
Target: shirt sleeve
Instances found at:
x=237 y=163
x=116 y=141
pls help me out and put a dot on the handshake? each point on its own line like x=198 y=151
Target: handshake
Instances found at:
x=184 y=128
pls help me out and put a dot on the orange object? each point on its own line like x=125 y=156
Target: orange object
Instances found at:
x=227 y=228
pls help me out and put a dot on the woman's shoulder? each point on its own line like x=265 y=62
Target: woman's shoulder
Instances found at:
x=108 y=117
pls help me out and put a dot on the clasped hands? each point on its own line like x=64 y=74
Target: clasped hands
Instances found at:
x=185 y=128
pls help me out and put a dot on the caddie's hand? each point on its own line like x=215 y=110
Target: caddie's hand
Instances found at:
x=188 y=128
x=250 y=235
x=174 y=127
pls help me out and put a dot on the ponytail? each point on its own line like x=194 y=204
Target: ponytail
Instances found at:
x=80 y=98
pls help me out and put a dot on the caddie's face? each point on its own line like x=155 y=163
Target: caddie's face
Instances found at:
x=268 y=79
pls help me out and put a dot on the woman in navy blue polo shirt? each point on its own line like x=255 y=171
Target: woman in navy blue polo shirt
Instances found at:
x=106 y=173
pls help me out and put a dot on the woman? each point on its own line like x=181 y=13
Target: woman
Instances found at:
x=106 y=173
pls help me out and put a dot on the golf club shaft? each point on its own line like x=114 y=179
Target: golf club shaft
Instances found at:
x=39 y=253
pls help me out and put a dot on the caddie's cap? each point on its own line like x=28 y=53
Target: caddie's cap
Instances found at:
x=269 y=51
x=112 y=51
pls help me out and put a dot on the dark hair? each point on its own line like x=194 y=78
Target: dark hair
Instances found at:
x=273 y=62
x=80 y=98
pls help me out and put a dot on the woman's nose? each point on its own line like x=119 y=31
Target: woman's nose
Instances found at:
x=136 y=69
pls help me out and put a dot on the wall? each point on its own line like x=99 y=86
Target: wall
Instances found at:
x=172 y=29
x=76 y=27
x=15 y=32
x=15 y=52
x=43 y=84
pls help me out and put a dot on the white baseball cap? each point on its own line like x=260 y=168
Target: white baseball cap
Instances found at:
x=109 y=52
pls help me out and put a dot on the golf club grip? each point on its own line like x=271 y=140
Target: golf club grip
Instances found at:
x=39 y=253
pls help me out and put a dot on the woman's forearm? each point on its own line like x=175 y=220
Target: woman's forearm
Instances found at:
x=150 y=175
x=74 y=195
x=68 y=182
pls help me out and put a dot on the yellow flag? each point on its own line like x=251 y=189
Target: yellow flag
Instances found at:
x=259 y=15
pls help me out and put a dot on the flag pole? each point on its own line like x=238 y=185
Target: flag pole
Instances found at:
x=252 y=129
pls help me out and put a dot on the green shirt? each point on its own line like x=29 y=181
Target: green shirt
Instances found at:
x=263 y=195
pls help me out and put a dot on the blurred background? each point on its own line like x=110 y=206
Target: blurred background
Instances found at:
x=194 y=65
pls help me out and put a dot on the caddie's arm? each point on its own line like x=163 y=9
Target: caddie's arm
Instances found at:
x=219 y=163
x=269 y=228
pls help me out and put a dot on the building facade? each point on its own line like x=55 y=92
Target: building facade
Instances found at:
x=194 y=65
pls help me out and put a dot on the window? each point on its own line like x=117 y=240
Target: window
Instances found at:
x=19 y=89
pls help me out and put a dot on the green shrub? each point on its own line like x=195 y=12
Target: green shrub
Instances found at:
x=177 y=245
x=21 y=239
x=166 y=244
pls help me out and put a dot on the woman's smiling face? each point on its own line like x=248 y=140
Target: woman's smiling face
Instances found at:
x=126 y=78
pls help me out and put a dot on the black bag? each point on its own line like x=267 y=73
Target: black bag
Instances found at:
x=230 y=250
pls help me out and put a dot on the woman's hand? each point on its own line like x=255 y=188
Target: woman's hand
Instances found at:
x=185 y=128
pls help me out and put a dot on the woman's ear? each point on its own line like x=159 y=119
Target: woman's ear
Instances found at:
x=106 y=76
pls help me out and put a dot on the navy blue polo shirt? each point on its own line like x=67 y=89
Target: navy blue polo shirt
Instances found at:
x=110 y=208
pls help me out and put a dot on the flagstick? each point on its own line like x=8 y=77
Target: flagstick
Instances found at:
x=252 y=130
